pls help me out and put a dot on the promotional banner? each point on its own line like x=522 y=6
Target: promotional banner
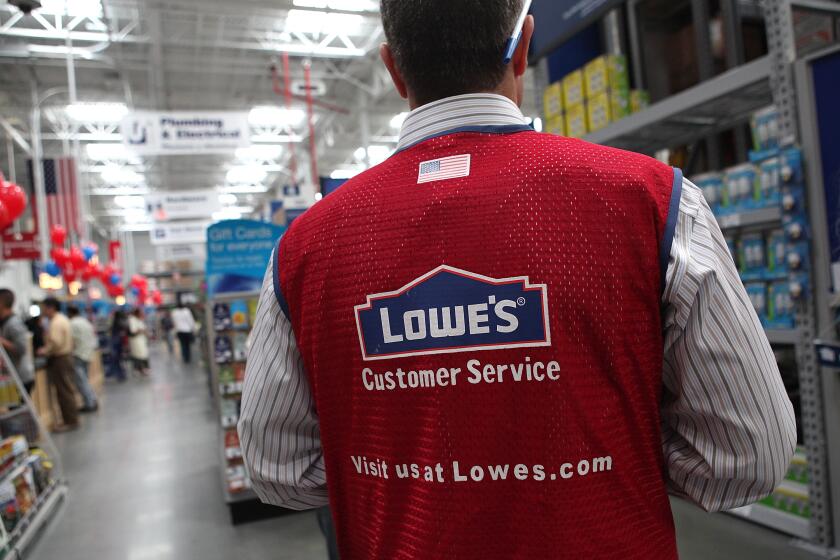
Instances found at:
x=20 y=246
x=179 y=232
x=178 y=205
x=194 y=252
x=557 y=20
x=150 y=133
x=238 y=252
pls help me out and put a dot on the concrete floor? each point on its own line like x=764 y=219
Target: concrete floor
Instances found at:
x=145 y=482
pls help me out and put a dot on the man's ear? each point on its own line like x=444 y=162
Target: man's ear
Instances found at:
x=520 y=58
x=388 y=59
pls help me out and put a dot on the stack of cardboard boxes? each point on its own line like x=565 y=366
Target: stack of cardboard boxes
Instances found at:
x=591 y=98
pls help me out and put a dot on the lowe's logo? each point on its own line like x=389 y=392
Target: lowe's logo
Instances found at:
x=452 y=310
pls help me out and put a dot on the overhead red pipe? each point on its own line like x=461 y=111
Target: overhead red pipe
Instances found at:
x=288 y=95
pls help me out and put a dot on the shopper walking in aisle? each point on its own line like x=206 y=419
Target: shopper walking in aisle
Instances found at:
x=542 y=338
x=14 y=338
x=167 y=326
x=119 y=333
x=84 y=345
x=138 y=342
x=184 y=323
x=58 y=349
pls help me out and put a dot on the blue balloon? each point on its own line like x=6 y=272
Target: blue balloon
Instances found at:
x=52 y=269
x=88 y=252
x=135 y=291
x=115 y=279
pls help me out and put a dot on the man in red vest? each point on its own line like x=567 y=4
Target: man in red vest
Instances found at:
x=505 y=344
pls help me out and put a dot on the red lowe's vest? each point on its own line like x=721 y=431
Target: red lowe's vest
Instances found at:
x=485 y=351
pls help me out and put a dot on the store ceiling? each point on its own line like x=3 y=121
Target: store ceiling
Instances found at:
x=197 y=55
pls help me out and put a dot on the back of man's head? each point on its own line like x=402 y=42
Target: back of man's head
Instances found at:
x=449 y=47
x=7 y=299
x=51 y=304
x=72 y=311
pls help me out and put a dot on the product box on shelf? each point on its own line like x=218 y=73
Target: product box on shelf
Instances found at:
x=765 y=129
x=798 y=470
x=752 y=256
x=639 y=100
x=619 y=104
x=573 y=89
x=553 y=100
x=239 y=314
x=733 y=250
x=556 y=125
x=780 y=310
x=223 y=350
x=598 y=112
x=240 y=346
x=757 y=292
x=226 y=374
x=789 y=501
x=712 y=186
x=576 y=121
x=605 y=73
x=741 y=184
x=777 y=252
x=221 y=316
x=770 y=181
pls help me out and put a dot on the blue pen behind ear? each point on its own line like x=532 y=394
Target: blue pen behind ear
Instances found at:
x=513 y=41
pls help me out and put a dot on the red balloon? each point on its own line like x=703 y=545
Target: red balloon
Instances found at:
x=157 y=297
x=77 y=258
x=5 y=216
x=70 y=274
x=14 y=198
x=87 y=274
x=60 y=256
x=58 y=234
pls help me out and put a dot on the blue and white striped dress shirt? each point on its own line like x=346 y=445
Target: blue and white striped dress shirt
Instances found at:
x=728 y=429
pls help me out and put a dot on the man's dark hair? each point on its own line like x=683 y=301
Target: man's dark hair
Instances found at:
x=52 y=303
x=72 y=310
x=7 y=298
x=449 y=47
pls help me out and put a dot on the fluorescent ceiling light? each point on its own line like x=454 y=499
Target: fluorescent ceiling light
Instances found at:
x=97 y=112
x=124 y=201
x=244 y=189
x=120 y=191
x=109 y=152
x=347 y=5
x=344 y=173
x=538 y=124
x=86 y=8
x=264 y=153
x=228 y=199
x=246 y=175
x=275 y=116
x=120 y=176
x=376 y=154
x=398 y=120
x=269 y=138
x=313 y=21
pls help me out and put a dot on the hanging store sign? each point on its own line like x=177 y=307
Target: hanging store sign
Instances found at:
x=180 y=205
x=151 y=133
x=557 y=20
x=20 y=246
x=179 y=233
x=317 y=87
x=238 y=252
x=193 y=252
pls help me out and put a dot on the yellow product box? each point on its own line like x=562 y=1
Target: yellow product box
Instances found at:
x=639 y=99
x=598 y=112
x=573 y=89
x=619 y=104
x=553 y=100
x=556 y=125
x=607 y=72
x=576 y=121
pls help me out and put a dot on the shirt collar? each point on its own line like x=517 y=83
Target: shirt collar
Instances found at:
x=474 y=109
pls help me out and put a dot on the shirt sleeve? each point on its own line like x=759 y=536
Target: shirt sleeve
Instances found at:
x=278 y=424
x=728 y=425
x=18 y=336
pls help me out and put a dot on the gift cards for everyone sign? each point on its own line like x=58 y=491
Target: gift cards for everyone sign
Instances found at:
x=238 y=252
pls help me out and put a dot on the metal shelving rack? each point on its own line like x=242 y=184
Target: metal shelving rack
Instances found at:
x=46 y=504
x=720 y=103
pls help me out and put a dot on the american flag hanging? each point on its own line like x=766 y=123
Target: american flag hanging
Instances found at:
x=62 y=193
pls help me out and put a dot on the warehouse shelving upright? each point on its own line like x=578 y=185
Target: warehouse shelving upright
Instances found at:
x=726 y=102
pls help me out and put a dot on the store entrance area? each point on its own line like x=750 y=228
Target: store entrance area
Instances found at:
x=144 y=479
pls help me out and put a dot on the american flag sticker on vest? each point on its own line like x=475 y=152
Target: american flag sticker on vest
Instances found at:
x=444 y=168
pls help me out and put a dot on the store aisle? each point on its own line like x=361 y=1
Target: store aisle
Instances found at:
x=145 y=483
